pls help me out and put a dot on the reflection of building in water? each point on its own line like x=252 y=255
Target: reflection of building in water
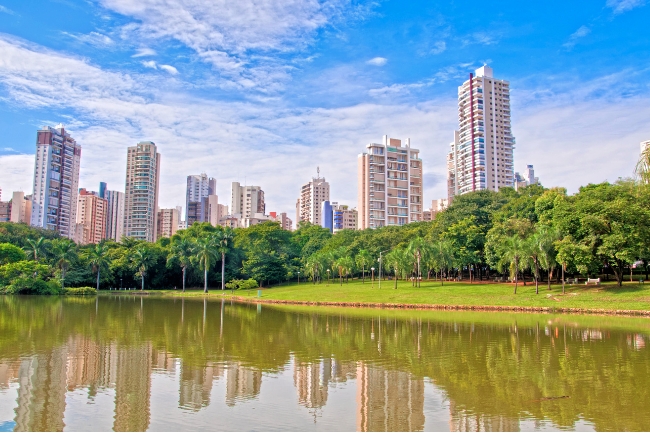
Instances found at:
x=8 y=372
x=164 y=361
x=242 y=382
x=311 y=380
x=41 y=392
x=196 y=385
x=133 y=388
x=462 y=420
x=388 y=400
x=84 y=366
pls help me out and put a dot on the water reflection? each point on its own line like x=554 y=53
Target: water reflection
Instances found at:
x=492 y=372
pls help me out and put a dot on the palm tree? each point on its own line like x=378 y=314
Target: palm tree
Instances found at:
x=64 y=252
x=141 y=259
x=96 y=255
x=420 y=251
x=547 y=253
x=442 y=257
x=348 y=266
x=205 y=251
x=340 y=266
x=642 y=170
x=513 y=251
x=532 y=256
x=181 y=251
x=395 y=260
x=35 y=248
x=313 y=266
x=224 y=244
x=363 y=259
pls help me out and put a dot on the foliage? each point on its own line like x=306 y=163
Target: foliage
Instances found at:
x=10 y=253
x=79 y=291
x=242 y=284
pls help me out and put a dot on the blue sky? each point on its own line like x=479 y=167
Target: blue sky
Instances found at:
x=264 y=91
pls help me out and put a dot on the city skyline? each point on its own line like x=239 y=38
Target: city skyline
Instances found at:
x=306 y=92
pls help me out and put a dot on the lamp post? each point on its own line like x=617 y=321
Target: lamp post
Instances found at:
x=298 y=277
x=380 y=253
x=328 y=277
x=373 y=277
x=120 y=284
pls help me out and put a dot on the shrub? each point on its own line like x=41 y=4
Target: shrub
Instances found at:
x=32 y=286
x=241 y=284
x=10 y=253
x=80 y=291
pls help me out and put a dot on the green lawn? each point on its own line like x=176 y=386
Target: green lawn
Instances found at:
x=632 y=296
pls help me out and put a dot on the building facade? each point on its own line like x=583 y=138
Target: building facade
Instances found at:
x=338 y=217
x=198 y=187
x=283 y=219
x=167 y=222
x=481 y=155
x=246 y=200
x=114 y=215
x=56 y=181
x=527 y=179
x=211 y=210
x=141 y=191
x=389 y=185
x=91 y=218
x=310 y=203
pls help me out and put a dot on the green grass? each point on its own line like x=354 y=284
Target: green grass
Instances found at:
x=631 y=296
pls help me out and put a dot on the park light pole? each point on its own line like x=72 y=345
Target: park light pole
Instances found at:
x=298 y=277
x=380 y=253
x=373 y=277
x=328 y=277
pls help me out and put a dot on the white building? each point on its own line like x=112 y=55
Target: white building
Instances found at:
x=527 y=179
x=389 y=185
x=310 y=203
x=21 y=208
x=481 y=155
x=114 y=215
x=141 y=191
x=247 y=200
x=198 y=187
x=56 y=181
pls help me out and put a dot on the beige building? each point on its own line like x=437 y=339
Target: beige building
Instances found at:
x=141 y=191
x=246 y=200
x=167 y=222
x=91 y=218
x=283 y=219
x=211 y=210
x=438 y=206
x=389 y=185
x=21 y=208
x=481 y=155
x=310 y=203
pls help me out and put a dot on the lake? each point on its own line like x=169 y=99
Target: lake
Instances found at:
x=135 y=363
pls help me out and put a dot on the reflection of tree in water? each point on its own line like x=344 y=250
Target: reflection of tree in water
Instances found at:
x=493 y=374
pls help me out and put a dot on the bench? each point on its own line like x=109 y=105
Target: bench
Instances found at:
x=595 y=281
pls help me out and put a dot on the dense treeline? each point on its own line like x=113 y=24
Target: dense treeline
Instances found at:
x=534 y=233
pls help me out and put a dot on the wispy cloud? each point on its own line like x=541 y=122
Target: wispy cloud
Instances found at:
x=144 y=52
x=377 y=61
x=149 y=64
x=438 y=47
x=172 y=70
x=480 y=38
x=93 y=38
x=6 y=10
x=620 y=6
x=576 y=36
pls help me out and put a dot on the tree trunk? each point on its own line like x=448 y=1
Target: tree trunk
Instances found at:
x=183 y=279
x=223 y=271
x=62 y=279
x=536 y=278
x=549 y=279
x=563 y=266
x=419 y=272
x=395 y=279
x=205 y=280
x=98 y=271
x=516 y=267
x=141 y=276
x=363 y=274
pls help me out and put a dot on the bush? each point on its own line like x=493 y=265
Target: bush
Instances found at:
x=79 y=291
x=242 y=284
x=32 y=286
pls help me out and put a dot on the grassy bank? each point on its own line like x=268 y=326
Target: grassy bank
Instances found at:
x=632 y=296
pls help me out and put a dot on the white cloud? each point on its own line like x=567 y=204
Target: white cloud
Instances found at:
x=172 y=70
x=93 y=38
x=480 y=38
x=620 y=6
x=578 y=34
x=6 y=10
x=438 y=47
x=377 y=61
x=144 y=52
x=228 y=34
x=149 y=64
x=16 y=174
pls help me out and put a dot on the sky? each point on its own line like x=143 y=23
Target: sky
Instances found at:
x=265 y=91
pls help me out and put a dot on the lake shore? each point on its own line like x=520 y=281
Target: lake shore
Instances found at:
x=632 y=299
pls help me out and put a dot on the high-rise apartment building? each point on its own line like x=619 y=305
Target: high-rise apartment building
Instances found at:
x=389 y=185
x=481 y=155
x=141 y=191
x=283 y=219
x=247 y=200
x=91 y=218
x=56 y=181
x=198 y=187
x=167 y=222
x=21 y=208
x=338 y=217
x=114 y=214
x=310 y=203
x=5 y=211
x=527 y=179
x=211 y=210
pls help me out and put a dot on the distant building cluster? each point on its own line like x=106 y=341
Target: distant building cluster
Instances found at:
x=390 y=187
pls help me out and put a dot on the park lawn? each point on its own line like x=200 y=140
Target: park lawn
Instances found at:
x=632 y=296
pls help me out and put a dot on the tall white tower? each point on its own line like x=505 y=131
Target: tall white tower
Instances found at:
x=310 y=203
x=141 y=191
x=481 y=155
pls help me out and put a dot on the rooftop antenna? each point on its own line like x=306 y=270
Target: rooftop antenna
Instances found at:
x=318 y=172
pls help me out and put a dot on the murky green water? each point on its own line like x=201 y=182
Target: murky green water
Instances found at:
x=139 y=363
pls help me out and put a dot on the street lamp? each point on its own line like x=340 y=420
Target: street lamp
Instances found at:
x=328 y=277
x=380 y=253
x=373 y=277
x=298 y=277
x=120 y=284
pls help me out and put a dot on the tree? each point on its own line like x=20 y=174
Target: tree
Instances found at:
x=531 y=257
x=224 y=240
x=547 y=236
x=10 y=254
x=64 y=251
x=97 y=258
x=420 y=251
x=206 y=250
x=181 y=252
x=363 y=259
x=512 y=250
x=314 y=266
x=442 y=257
x=35 y=248
x=468 y=239
x=642 y=170
x=397 y=260
x=141 y=259
x=345 y=265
